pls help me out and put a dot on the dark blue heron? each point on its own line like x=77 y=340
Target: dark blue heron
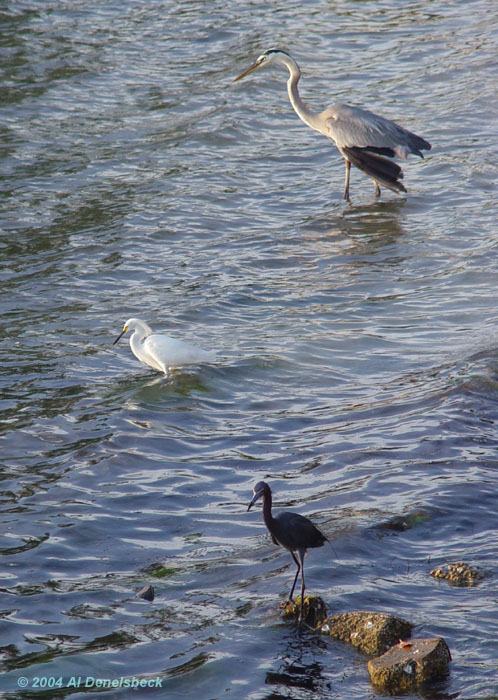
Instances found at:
x=291 y=531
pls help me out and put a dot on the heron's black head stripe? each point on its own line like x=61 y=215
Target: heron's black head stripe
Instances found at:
x=270 y=51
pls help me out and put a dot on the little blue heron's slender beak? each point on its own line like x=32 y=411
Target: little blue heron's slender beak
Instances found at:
x=252 y=68
x=254 y=499
x=121 y=334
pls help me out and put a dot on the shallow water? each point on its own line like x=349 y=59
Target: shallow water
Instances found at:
x=357 y=367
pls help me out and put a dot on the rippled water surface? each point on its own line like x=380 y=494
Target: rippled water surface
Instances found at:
x=357 y=362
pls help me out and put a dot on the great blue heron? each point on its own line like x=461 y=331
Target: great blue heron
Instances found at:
x=291 y=531
x=362 y=137
x=160 y=351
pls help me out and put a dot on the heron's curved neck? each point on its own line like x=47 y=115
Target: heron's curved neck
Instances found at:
x=267 y=515
x=301 y=109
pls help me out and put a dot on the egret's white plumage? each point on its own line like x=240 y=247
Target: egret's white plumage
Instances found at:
x=160 y=351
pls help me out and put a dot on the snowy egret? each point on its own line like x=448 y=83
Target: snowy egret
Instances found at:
x=291 y=531
x=160 y=351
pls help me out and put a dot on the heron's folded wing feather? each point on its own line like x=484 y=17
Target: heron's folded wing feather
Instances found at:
x=355 y=127
x=294 y=531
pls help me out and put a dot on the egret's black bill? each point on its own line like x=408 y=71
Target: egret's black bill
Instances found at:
x=120 y=336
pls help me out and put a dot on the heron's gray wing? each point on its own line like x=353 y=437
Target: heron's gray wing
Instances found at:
x=353 y=127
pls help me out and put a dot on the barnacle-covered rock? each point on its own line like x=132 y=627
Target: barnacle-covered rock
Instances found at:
x=370 y=632
x=458 y=574
x=314 y=610
x=409 y=663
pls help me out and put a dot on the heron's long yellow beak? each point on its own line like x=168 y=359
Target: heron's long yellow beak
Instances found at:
x=252 y=68
x=121 y=334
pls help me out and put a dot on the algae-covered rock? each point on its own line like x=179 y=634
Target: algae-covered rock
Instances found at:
x=401 y=523
x=370 y=632
x=314 y=610
x=406 y=665
x=458 y=574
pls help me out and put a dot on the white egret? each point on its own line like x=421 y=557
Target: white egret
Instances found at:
x=160 y=351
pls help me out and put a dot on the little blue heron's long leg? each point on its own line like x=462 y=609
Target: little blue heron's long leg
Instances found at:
x=297 y=574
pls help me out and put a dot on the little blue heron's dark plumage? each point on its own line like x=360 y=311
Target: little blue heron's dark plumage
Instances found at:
x=291 y=531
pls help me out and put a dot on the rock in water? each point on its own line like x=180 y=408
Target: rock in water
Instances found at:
x=408 y=664
x=458 y=574
x=147 y=593
x=370 y=632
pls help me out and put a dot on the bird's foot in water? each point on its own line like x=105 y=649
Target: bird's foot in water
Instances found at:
x=288 y=606
x=314 y=611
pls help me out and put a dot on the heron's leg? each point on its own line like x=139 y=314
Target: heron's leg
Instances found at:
x=377 y=189
x=301 y=557
x=297 y=574
x=346 y=179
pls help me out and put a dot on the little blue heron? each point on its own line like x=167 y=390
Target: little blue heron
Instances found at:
x=160 y=351
x=291 y=531
x=362 y=137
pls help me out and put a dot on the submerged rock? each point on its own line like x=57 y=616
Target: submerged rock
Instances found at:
x=147 y=593
x=370 y=632
x=401 y=523
x=408 y=664
x=458 y=574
